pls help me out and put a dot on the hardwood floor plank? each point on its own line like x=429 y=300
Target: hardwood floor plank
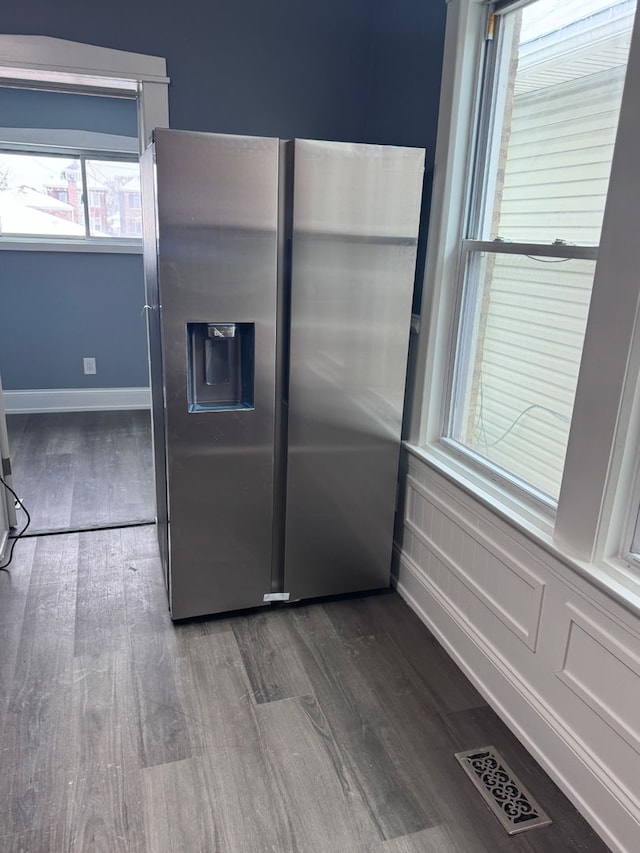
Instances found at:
x=365 y=734
x=100 y=623
x=274 y=669
x=163 y=731
x=194 y=826
x=323 y=801
x=247 y=812
x=357 y=622
x=38 y=727
x=437 y=839
x=91 y=473
x=106 y=778
x=54 y=500
x=51 y=839
x=391 y=614
x=14 y=588
x=219 y=697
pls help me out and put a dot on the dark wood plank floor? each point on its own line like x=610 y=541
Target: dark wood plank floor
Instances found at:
x=323 y=728
x=79 y=469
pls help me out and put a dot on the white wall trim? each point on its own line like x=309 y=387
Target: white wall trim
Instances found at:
x=76 y=400
x=41 y=57
x=42 y=244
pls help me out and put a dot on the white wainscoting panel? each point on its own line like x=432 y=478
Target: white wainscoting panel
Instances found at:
x=556 y=657
x=510 y=590
x=76 y=400
x=599 y=670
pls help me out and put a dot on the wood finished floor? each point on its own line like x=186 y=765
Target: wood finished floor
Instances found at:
x=78 y=469
x=319 y=728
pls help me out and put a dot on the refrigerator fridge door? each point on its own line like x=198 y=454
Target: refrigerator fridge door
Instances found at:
x=212 y=327
x=355 y=224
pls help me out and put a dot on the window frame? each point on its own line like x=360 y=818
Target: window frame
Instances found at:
x=88 y=242
x=592 y=525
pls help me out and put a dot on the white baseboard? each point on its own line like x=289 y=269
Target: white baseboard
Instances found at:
x=76 y=400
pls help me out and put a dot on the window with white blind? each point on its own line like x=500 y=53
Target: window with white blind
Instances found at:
x=551 y=90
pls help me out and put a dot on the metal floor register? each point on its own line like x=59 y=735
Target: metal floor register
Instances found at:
x=502 y=791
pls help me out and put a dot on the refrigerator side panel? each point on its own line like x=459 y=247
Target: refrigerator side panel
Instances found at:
x=217 y=224
x=355 y=223
x=147 y=178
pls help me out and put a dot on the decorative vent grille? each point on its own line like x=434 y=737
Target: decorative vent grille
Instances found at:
x=502 y=791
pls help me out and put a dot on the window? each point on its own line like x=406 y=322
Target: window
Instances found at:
x=65 y=195
x=115 y=180
x=527 y=370
x=134 y=200
x=546 y=128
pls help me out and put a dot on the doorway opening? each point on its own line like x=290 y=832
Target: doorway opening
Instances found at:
x=74 y=357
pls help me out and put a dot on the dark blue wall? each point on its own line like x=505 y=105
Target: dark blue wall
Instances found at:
x=284 y=67
x=59 y=307
x=407 y=48
x=354 y=70
x=30 y=108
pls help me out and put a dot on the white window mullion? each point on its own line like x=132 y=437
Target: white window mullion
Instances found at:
x=610 y=362
x=458 y=103
x=85 y=198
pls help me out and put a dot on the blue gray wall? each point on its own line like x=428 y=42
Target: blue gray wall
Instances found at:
x=356 y=70
x=58 y=307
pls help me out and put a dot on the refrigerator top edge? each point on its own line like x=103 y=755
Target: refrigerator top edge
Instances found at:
x=235 y=138
x=364 y=149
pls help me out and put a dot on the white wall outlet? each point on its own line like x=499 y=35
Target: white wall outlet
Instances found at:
x=89 y=365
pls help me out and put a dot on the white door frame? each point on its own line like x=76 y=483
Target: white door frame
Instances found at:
x=41 y=61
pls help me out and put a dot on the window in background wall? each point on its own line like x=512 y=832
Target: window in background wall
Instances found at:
x=68 y=196
x=547 y=126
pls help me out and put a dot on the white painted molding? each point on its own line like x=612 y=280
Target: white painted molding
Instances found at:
x=85 y=68
x=76 y=400
x=37 y=54
x=604 y=653
x=527 y=631
x=42 y=244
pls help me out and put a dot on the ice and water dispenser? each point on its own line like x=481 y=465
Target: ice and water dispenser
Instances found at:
x=221 y=366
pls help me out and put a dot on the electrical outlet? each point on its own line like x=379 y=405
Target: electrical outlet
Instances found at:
x=89 y=365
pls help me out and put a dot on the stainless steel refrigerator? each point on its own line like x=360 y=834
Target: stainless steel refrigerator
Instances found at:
x=279 y=284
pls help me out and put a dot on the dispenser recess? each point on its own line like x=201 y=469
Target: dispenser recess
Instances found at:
x=221 y=366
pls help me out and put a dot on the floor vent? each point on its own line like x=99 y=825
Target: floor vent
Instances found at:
x=507 y=798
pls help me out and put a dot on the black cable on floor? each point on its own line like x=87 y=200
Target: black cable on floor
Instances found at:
x=90 y=528
x=17 y=536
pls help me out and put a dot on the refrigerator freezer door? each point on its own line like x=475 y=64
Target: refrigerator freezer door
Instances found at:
x=355 y=224
x=217 y=219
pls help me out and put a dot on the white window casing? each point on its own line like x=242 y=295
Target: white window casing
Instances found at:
x=603 y=439
x=598 y=481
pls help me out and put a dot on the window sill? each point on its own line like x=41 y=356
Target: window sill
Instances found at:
x=122 y=247
x=614 y=577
